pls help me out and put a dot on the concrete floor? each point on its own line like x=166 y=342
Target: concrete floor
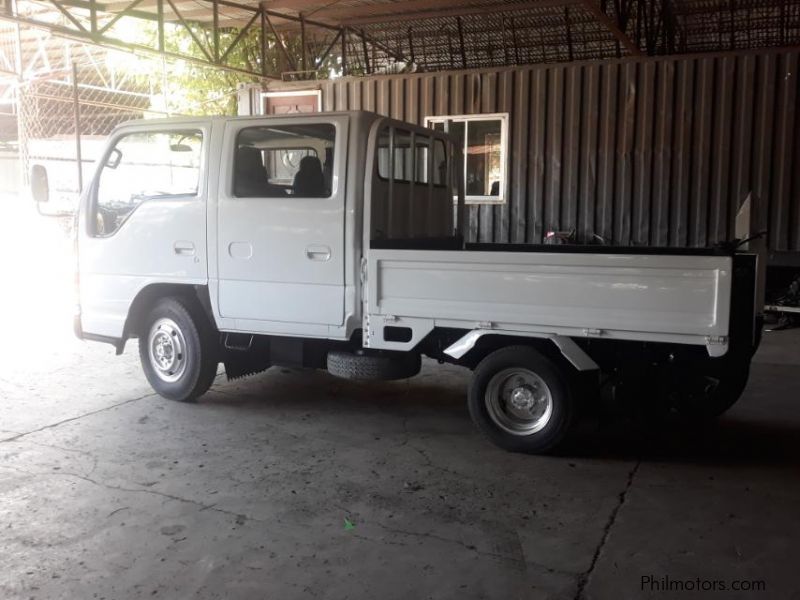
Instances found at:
x=107 y=491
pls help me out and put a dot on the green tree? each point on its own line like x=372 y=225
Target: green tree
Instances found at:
x=195 y=89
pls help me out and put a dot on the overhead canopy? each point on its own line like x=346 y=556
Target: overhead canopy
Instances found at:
x=383 y=35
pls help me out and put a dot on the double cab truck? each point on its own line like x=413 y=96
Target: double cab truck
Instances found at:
x=336 y=241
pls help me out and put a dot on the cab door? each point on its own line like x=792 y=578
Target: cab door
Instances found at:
x=143 y=220
x=280 y=225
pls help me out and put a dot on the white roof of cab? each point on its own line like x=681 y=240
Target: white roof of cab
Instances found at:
x=158 y=122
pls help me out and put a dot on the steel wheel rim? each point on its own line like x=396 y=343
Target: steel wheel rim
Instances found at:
x=519 y=401
x=166 y=347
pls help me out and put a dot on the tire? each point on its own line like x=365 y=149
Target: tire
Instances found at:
x=544 y=407
x=349 y=365
x=177 y=349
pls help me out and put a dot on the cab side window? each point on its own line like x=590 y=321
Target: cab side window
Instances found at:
x=277 y=161
x=146 y=166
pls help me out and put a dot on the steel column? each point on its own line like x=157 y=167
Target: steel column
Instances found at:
x=76 y=118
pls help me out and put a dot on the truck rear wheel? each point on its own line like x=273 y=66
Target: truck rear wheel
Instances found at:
x=177 y=350
x=520 y=400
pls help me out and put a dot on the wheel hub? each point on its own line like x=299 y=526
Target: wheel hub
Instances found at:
x=522 y=398
x=164 y=350
x=519 y=401
x=167 y=350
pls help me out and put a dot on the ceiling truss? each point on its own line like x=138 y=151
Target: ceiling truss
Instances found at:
x=370 y=36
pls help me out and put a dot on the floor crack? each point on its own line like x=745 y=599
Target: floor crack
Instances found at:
x=88 y=414
x=612 y=518
x=201 y=505
x=511 y=559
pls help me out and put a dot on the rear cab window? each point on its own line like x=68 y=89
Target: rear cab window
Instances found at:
x=279 y=161
x=414 y=188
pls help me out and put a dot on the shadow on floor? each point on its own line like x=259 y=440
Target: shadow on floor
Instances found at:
x=729 y=441
x=762 y=429
x=285 y=388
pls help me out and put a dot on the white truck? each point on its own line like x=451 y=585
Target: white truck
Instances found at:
x=335 y=241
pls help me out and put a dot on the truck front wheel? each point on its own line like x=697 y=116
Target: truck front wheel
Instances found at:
x=520 y=400
x=177 y=350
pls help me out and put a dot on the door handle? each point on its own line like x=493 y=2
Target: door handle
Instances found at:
x=322 y=253
x=183 y=248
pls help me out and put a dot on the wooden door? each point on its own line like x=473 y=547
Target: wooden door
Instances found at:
x=290 y=103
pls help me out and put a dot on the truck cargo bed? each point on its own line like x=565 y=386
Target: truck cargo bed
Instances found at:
x=680 y=298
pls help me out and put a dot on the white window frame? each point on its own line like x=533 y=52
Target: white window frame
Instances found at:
x=466 y=119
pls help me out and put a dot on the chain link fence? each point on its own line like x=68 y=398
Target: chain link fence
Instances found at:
x=69 y=99
x=63 y=118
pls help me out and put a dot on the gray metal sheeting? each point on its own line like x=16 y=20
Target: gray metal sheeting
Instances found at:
x=651 y=151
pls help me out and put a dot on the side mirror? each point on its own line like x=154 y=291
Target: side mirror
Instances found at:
x=114 y=158
x=40 y=186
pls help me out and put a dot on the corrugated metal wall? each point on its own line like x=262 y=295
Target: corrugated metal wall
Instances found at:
x=652 y=151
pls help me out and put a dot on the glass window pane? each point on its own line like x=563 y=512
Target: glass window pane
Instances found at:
x=274 y=161
x=284 y=163
x=484 y=166
x=407 y=163
x=384 y=140
x=456 y=130
x=145 y=166
x=439 y=163
x=483 y=141
x=421 y=158
x=403 y=169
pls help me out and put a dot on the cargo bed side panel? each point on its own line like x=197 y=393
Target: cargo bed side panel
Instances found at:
x=624 y=296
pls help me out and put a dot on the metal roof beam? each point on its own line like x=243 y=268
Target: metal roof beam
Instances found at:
x=334 y=14
x=555 y=39
x=297 y=5
x=408 y=10
x=294 y=5
x=612 y=26
x=99 y=38
x=521 y=24
x=453 y=11
x=420 y=8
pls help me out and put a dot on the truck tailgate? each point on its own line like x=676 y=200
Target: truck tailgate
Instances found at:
x=665 y=298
